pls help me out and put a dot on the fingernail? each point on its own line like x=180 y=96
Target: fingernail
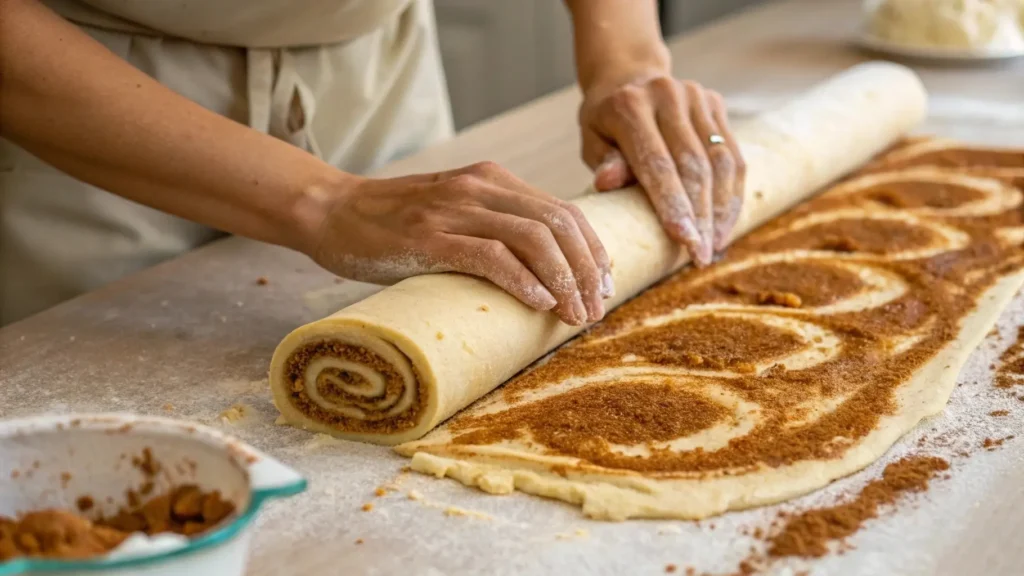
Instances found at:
x=579 y=311
x=575 y=312
x=546 y=300
x=607 y=285
x=595 y=310
x=700 y=250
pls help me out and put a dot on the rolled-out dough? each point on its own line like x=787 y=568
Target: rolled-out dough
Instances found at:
x=802 y=357
x=395 y=365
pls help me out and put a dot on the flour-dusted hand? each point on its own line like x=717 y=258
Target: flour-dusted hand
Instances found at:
x=673 y=138
x=479 y=220
x=640 y=124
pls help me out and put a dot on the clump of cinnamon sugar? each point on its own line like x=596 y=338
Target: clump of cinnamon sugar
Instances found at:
x=63 y=534
x=787 y=299
x=186 y=510
x=55 y=534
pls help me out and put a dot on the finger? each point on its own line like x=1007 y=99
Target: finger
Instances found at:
x=544 y=207
x=533 y=244
x=727 y=209
x=610 y=169
x=493 y=261
x=596 y=247
x=572 y=243
x=631 y=122
x=686 y=149
x=723 y=167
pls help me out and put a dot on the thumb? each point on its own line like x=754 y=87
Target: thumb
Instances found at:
x=612 y=173
x=609 y=165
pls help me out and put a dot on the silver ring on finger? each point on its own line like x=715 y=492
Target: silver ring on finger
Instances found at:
x=716 y=139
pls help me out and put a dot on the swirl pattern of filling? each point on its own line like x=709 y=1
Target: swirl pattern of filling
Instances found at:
x=791 y=348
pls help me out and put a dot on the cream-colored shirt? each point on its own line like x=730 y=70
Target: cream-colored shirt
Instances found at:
x=356 y=82
x=247 y=23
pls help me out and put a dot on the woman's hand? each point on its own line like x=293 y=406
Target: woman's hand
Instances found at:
x=673 y=138
x=640 y=124
x=479 y=220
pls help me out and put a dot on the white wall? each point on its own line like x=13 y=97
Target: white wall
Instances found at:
x=502 y=53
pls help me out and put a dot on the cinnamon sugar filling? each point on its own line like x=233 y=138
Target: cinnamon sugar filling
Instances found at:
x=331 y=383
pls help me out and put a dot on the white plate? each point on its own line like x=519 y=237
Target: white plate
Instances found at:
x=979 y=55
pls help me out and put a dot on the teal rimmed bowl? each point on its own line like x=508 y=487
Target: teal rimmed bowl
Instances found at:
x=52 y=461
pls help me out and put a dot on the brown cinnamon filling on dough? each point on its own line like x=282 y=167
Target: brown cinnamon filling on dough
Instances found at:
x=584 y=421
x=861 y=378
x=868 y=235
x=330 y=381
x=924 y=195
x=376 y=420
x=964 y=158
x=714 y=342
x=812 y=283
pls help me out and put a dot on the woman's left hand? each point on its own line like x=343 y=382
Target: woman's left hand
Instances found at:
x=673 y=138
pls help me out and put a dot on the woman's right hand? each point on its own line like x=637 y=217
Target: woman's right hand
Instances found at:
x=479 y=220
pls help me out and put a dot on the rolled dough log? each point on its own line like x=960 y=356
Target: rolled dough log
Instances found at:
x=392 y=367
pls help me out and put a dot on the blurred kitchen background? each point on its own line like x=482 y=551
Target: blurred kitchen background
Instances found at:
x=501 y=53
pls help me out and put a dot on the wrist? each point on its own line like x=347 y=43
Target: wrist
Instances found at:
x=601 y=68
x=313 y=205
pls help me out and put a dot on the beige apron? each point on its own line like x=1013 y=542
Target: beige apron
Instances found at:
x=356 y=82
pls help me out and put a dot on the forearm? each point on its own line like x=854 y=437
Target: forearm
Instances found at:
x=613 y=37
x=68 y=100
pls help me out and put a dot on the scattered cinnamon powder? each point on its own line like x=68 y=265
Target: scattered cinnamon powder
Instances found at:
x=262 y=281
x=380 y=492
x=991 y=444
x=146 y=464
x=670 y=568
x=367 y=507
x=359 y=541
x=999 y=413
x=1010 y=372
x=810 y=533
x=84 y=503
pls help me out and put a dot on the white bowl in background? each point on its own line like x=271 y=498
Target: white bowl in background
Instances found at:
x=50 y=461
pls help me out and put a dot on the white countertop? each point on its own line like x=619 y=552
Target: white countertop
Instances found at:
x=196 y=333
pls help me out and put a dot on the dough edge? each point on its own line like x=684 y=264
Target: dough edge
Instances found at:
x=621 y=497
